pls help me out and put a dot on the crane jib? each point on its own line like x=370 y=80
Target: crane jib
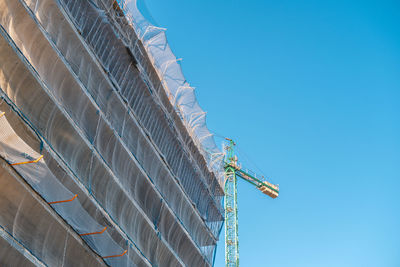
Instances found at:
x=244 y=175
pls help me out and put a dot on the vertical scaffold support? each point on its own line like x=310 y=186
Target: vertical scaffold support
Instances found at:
x=231 y=215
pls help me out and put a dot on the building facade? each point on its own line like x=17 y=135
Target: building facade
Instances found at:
x=97 y=167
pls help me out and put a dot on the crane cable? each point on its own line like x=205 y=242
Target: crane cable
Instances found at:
x=241 y=153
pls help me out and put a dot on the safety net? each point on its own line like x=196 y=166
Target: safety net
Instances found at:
x=178 y=89
x=118 y=129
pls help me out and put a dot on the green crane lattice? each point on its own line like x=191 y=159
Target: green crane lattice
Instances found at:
x=232 y=171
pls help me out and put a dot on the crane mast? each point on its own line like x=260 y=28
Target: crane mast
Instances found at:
x=232 y=171
x=230 y=203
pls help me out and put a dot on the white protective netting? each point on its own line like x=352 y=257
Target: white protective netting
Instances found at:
x=39 y=176
x=75 y=82
x=181 y=95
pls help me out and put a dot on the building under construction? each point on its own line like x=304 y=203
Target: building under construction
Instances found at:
x=105 y=158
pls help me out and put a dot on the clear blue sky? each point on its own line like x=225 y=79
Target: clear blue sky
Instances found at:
x=310 y=91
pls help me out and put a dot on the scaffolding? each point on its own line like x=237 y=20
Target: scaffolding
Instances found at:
x=108 y=143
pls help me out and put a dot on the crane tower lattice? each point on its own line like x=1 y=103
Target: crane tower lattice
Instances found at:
x=232 y=171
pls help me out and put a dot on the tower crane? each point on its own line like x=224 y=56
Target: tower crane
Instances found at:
x=232 y=171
